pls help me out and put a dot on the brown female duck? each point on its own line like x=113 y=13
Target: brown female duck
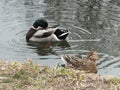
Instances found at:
x=78 y=63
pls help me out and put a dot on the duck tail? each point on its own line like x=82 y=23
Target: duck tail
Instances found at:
x=66 y=58
x=64 y=34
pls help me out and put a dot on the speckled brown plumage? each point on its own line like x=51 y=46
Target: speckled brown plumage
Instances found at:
x=76 y=62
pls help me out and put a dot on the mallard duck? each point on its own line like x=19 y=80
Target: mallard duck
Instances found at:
x=40 y=32
x=78 y=63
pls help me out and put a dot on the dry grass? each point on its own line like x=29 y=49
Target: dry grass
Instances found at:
x=29 y=76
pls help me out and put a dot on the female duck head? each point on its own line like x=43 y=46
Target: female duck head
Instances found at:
x=40 y=22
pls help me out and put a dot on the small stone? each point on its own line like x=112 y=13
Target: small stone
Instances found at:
x=2 y=78
x=3 y=68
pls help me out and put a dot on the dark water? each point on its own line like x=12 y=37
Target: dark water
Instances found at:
x=94 y=25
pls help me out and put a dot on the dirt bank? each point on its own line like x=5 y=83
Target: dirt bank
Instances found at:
x=30 y=76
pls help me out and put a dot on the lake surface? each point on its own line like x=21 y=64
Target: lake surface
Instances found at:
x=94 y=25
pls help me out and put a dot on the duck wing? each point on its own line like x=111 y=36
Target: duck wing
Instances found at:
x=72 y=60
x=43 y=33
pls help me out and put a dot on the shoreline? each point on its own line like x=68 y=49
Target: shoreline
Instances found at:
x=27 y=75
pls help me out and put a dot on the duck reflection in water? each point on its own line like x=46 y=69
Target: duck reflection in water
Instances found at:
x=46 y=48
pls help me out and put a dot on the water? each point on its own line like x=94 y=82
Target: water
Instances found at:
x=94 y=25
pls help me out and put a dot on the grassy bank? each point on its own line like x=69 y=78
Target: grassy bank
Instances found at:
x=30 y=76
